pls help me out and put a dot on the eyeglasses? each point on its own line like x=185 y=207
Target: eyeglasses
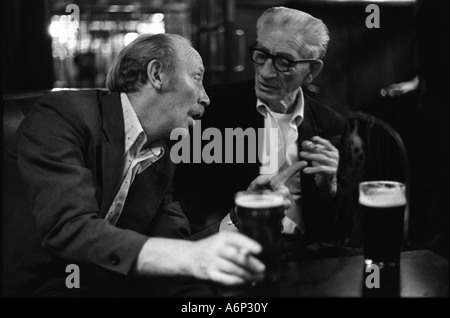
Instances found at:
x=281 y=64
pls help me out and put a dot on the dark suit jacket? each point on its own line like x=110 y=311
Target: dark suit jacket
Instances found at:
x=62 y=174
x=234 y=105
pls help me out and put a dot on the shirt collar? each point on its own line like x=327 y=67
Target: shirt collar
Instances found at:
x=297 y=114
x=133 y=128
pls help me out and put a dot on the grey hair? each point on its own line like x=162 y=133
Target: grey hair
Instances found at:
x=312 y=32
x=129 y=69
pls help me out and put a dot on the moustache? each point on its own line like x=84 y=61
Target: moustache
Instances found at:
x=196 y=112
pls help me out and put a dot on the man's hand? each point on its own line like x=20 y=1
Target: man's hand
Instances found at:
x=325 y=161
x=277 y=182
x=227 y=258
x=270 y=183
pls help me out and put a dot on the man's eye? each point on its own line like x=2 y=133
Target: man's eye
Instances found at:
x=283 y=62
x=260 y=56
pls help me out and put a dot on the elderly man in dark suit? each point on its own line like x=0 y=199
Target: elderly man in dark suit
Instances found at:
x=287 y=56
x=95 y=188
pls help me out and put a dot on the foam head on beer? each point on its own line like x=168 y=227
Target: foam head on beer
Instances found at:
x=382 y=194
x=259 y=200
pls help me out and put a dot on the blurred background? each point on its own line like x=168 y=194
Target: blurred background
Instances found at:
x=47 y=46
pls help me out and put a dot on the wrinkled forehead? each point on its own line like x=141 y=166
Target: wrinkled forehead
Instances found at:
x=191 y=56
x=281 y=40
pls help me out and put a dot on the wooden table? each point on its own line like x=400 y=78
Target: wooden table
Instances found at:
x=421 y=274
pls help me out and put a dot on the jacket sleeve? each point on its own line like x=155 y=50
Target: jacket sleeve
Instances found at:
x=52 y=146
x=336 y=211
x=170 y=220
x=341 y=207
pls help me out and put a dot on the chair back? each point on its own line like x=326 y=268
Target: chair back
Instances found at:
x=376 y=152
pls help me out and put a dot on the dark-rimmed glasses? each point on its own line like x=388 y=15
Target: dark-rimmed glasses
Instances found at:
x=281 y=64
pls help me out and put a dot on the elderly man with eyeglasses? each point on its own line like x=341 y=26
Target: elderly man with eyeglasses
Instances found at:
x=287 y=55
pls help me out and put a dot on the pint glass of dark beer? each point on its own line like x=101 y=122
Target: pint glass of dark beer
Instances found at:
x=259 y=216
x=383 y=207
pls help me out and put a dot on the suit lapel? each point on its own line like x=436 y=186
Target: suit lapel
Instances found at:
x=148 y=188
x=257 y=122
x=112 y=150
x=146 y=195
x=308 y=127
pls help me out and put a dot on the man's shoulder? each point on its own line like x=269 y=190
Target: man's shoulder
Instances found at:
x=80 y=98
x=322 y=111
x=73 y=103
x=77 y=107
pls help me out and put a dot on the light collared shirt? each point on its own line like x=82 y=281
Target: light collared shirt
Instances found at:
x=136 y=159
x=285 y=143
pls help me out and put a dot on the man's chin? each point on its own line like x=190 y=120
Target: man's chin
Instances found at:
x=191 y=122
x=265 y=95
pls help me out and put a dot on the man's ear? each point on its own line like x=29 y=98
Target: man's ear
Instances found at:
x=315 y=68
x=154 y=70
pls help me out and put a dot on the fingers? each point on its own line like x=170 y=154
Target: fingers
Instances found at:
x=260 y=182
x=321 y=159
x=235 y=262
x=244 y=263
x=286 y=203
x=320 y=169
x=322 y=154
x=281 y=178
x=318 y=144
x=278 y=181
x=242 y=242
x=284 y=191
x=324 y=142
x=232 y=274
x=227 y=279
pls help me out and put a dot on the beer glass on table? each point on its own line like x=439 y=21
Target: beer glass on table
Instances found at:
x=383 y=206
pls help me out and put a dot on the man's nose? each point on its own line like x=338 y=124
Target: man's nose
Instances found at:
x=267 y=69
x=204 y=99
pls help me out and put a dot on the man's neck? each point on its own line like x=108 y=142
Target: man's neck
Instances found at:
x=153 y=130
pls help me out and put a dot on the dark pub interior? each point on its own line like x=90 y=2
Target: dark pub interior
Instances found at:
x=385 y=71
